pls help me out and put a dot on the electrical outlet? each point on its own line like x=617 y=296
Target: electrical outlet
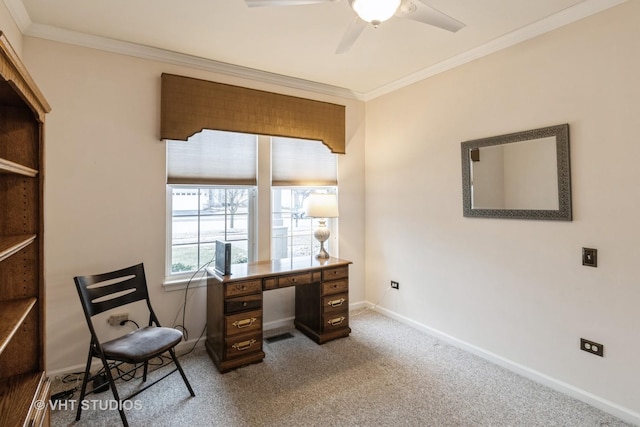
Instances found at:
x=395 y=285
x=117 y=319
x=590 y=257
x=592 y=347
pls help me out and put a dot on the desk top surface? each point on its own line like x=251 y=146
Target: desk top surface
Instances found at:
x=277 y=266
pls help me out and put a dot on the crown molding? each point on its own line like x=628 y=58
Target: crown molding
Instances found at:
x=161 y=55
x=19 y=14
x=550 y=23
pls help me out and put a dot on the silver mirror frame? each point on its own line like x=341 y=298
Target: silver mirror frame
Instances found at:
x=563 y=213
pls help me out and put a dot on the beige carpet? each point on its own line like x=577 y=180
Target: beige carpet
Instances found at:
x=384 y=374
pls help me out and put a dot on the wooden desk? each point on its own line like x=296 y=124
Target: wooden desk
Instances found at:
x=234 y=305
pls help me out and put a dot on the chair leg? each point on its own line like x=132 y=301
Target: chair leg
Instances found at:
x=112 y=384
x=144 y=371
x=184 y=377
x=85 y=380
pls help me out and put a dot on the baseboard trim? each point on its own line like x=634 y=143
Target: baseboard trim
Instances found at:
x=276 y=324
x=612 y=408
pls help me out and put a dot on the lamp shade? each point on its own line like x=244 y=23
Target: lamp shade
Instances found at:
x=321 y=206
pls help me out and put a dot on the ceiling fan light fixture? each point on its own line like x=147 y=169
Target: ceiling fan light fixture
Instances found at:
x=375 y=11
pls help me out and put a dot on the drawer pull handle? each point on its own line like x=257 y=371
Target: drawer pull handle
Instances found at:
x=336 y=302
x=244 y=345
x=244 y=323
x=337 y=321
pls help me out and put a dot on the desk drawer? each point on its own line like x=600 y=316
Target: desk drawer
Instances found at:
x=243 y=323
x=335 y=303
x=243 y=344
x=247 y=302
x=333 y=321
x=335 y=273
x=335 y=287
x=270 y=283
x=294 y=280
x=242 y=288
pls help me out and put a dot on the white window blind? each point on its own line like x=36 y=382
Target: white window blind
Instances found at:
x=213 y=158
x=300 y=162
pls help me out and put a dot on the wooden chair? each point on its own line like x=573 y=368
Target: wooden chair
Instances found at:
x=107 y=291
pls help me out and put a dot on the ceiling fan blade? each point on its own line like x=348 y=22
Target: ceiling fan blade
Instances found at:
x=260 y=3
x=351 y=35
x=418 y=10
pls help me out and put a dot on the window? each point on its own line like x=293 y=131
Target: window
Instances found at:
x=291 y=230
x=202 y=215
x=211 y=183
x=213 y=189
x=299 y=167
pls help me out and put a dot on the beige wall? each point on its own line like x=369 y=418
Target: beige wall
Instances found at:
x=516 y=290
x=105 y=186
x=9 y=28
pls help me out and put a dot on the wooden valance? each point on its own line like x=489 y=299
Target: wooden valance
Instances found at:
x=190 y=105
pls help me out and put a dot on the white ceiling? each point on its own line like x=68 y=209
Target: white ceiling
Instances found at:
x=299 y=42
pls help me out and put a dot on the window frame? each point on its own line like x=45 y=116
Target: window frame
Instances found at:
x=180 y=279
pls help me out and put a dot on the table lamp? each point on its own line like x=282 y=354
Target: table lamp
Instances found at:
x=321 y=206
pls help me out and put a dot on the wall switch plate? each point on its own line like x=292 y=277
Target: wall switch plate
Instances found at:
x=592 y=347
x=395 y=285
x=590 y=257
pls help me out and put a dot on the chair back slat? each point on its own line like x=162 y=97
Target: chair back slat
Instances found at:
x=102 y=292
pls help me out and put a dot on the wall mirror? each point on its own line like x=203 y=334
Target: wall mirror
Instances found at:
x=523 y=175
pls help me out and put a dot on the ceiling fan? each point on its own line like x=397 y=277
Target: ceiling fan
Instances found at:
x=375 y=12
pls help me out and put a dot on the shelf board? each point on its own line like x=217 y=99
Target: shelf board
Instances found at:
x=9 y=245
x=10 y=167
x=12 y=314
x=17 y=396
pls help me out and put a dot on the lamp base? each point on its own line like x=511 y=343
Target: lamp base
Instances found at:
x=321 y=234
x=322 y=254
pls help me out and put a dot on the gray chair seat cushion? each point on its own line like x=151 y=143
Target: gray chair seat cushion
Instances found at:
x=141 y=344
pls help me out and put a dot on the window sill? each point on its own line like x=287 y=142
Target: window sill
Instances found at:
x=172 y=284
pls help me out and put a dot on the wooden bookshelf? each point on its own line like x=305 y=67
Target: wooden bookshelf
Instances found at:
x=10 y=245
x=26 y=407
x=23 y=381
x=7 y=166
x=12 y=314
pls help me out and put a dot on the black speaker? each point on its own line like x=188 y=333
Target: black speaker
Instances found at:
x=223 y=258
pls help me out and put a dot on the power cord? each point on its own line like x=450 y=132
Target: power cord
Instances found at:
x=63 y=395
x=185 y=332
x=130 y=321
x=195 y=343
x=73 y=377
